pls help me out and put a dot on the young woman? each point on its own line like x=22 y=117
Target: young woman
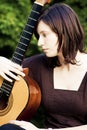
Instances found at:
x=61 y=71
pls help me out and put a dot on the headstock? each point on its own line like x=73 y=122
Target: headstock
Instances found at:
x=43 y=2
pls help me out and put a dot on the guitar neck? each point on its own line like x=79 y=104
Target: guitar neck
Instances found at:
x=23 y=44
x=27 y=34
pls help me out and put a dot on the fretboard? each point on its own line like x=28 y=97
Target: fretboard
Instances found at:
x=26 y=34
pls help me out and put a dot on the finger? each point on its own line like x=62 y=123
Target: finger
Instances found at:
x=16 y=66
x=9 y=69
x=16 y=71
x=5 y=61
x=5 y=77
x=12 y=75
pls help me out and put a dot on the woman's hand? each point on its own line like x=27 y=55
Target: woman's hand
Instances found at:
x=7 y=67
x=24 y=124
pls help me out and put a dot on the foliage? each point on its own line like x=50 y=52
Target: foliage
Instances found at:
x=14 y=14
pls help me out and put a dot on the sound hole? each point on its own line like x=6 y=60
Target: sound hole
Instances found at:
x=5 y=104
x=3 y=100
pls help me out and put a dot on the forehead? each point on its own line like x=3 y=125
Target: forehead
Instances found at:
x=43 y=27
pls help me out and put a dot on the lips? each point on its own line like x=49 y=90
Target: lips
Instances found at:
x=44 y=49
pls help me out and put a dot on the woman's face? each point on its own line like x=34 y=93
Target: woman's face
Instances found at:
x=48 y=40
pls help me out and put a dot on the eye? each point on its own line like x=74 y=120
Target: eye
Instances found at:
x=44 y=35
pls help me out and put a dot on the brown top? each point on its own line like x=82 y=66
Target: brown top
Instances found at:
x=63 y=108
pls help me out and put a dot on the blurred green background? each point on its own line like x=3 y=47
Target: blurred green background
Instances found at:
x=13 y=17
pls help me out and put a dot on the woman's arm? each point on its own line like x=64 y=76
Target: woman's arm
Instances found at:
x=30 y=126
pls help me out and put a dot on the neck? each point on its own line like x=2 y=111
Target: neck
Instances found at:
x=61 y=58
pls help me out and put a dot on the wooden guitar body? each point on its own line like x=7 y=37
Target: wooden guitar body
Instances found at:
x=23 y=101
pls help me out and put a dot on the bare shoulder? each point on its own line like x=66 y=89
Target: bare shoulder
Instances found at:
x=84 y=56
x=84 y=59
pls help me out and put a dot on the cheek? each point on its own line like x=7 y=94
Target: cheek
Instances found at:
x=54 y=38
x=54 y=42
x=54 y=49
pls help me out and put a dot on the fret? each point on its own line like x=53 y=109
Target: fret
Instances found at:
x=23 y=46
x=32 y=19
x=8 y=85
x=35 y=11
x=16 y=58
x=7 y=88
x=22 y=43
x=21 y=49
x=18 y=54
x=30 y=26
x=4 y=90
x=27 y=35
x=27 y=31
x=24 y=38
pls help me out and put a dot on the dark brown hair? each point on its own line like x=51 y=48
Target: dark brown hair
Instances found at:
x=63 y=20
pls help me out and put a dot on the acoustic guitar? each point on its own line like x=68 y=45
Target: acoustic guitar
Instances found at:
x=20 y=99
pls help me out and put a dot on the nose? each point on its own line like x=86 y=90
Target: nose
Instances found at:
x=40 y=41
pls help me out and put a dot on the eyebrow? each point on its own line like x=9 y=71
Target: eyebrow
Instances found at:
x=42 y=32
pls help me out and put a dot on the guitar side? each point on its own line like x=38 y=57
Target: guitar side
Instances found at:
x=23 y=101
